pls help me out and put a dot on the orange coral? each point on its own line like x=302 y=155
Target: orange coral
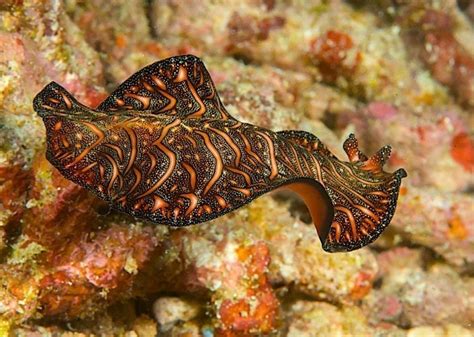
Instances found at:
x=121 y=41
x=462 y=150
x=258 y=310
x=457 y=228
x=331 y=52
x=363 y=285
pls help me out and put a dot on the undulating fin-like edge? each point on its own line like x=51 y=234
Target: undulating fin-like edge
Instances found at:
x=363 y=195
x=162 y=147
x=178 y=86
x=54 y=98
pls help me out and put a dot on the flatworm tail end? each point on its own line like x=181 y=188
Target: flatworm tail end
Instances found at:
x=364 y=197
x=54 y=99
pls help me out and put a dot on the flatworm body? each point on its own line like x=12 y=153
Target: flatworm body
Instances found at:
x=162 y=147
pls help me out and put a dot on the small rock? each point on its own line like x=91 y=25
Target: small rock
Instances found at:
x=322 y=319
x=169 y=310
x=450 y=330
x=144 y=326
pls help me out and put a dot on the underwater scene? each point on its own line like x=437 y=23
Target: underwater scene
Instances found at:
x=184 y=168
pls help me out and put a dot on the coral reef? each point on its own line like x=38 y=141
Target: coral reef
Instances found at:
x=395 y=72
x=447 y=59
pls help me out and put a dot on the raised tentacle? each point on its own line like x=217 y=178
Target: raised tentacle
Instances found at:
x=351 y=147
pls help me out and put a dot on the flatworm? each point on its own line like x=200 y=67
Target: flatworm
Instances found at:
x=162 y=147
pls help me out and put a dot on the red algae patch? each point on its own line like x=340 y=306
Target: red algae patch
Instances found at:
x=457 y=228
x=462 y=150
x=258 y=310
x=362 y=286
x=382 y=110
x=335 y=55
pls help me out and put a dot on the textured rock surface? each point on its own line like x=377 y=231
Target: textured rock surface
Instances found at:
x=415 y=294
x=323 y=319
x=444 y=224
x=394 y=72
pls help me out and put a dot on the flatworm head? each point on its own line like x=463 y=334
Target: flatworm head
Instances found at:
x=162 y=147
